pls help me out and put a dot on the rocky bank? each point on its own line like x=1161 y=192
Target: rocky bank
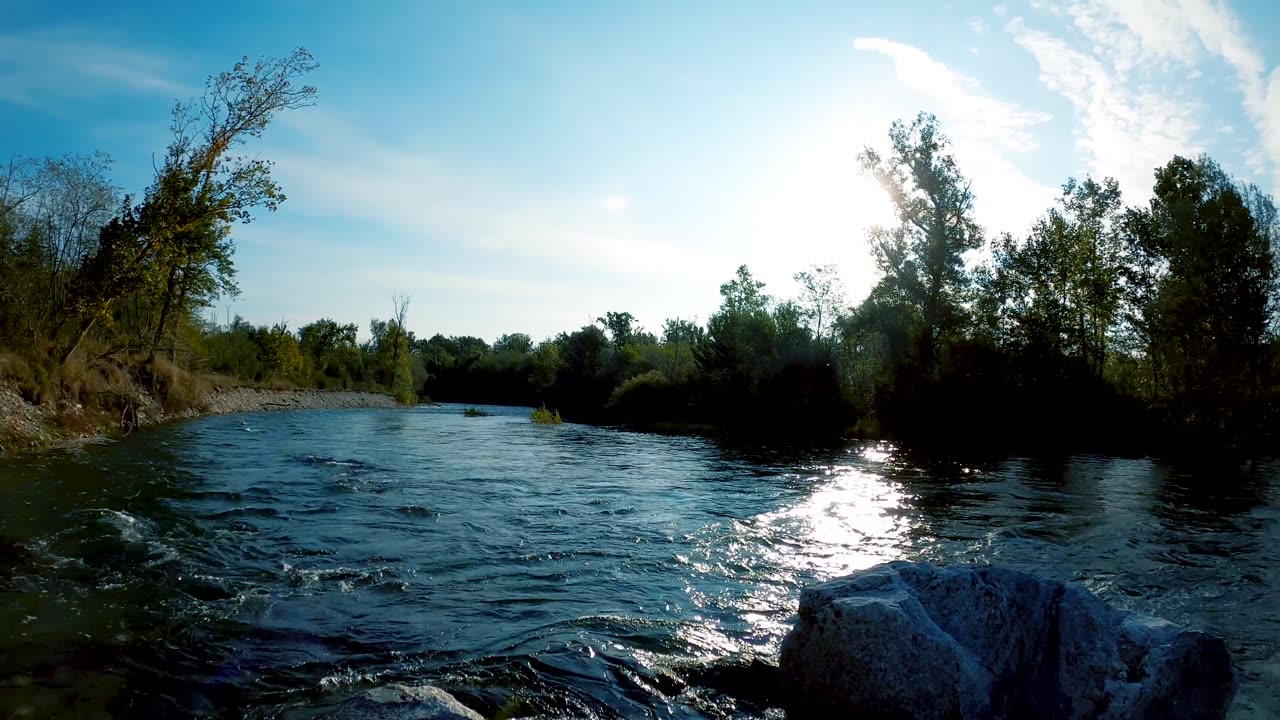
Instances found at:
x=25 y=426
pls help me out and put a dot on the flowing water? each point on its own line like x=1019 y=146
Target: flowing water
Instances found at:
x=271 y=565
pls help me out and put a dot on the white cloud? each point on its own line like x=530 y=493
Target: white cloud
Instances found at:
x=960 y=97
x=999 y=10
x=1123 y=132
x=984 y=131
x=40 y=67
x=977 y=26
x=344 y=173
x=1139 y=55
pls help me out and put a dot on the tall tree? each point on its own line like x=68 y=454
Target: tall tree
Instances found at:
x=1204 y=293
x=178 y=239
x=50 y=214
x=922 y=258
x=821 y=300
x=620 y=326
x=738 y=347
x=1061 y=289
x=402 y=385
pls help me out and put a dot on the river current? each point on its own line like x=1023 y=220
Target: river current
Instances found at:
x=272 y=565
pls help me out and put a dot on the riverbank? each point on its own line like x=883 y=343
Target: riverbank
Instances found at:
x=26 y=426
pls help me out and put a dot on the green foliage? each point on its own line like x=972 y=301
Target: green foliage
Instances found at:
x=402 y=388
x=922 y=258
x=515 y=343
x=822 y=300
x=619 y=326
x=50 y=214
x=647 y=397
x=475 y=412
x=543 y=416
x=281 y=356
x=1203 y=297
x=175 y=246
x=1100 y=322
x=1060 y=290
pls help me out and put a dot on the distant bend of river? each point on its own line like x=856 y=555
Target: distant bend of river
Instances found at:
x=266 y=565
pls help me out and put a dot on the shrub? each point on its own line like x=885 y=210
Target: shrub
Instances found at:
x=280 y=383
x=546 y=417
x=405 y=395
x=475 y=412
x=15 y=368
x=176 y=389
x=649 y=397
x=39 y=385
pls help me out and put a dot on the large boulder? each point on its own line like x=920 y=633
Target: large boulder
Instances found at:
x=404 y=702
x=907 y=640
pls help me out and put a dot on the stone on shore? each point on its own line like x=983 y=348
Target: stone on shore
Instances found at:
x=907 y=640
x=404 y=702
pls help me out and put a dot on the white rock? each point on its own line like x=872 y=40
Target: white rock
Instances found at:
x=905 y=640
x=405 y=702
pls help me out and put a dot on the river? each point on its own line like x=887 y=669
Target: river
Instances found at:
x=270 y=565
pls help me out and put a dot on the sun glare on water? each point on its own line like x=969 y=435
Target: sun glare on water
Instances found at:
x=850 y=522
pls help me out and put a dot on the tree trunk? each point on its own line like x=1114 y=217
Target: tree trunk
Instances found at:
x=170 y=284
x=80 y=334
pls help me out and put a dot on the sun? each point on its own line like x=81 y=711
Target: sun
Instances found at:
x=818 y=204
x=617 y=203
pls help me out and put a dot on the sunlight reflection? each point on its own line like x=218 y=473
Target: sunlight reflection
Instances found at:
x=852 y=522
x=878 y=454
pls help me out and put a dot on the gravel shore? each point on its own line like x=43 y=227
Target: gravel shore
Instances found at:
x=26 y=427
x=244 y=399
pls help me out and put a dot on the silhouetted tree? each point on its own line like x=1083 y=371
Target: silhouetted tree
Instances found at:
x=922 y=258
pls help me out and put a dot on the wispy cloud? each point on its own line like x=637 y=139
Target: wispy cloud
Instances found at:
x=37 y=69
x=1123 y=131
x=962 y=98
x=344 y=173
x=987 y=133
x=1126 y=66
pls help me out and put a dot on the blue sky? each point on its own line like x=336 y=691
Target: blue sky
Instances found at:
x=528 y=166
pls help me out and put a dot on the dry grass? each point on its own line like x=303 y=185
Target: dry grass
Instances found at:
x=222 y=382
x=13 y=367
x=175 y=388
x=281 y=384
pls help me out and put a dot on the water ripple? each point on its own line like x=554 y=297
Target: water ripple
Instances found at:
x=197 y=570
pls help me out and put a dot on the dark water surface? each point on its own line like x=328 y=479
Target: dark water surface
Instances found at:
x=266 y=565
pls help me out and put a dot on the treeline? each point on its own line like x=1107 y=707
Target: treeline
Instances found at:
x=324 y=354
x=1106 y=325
x=1144 y=327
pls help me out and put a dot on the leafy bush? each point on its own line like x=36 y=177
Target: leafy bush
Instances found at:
x=546 y=417
x=475 y=412
x=646 y=397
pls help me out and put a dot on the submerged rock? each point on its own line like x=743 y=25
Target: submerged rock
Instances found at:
x=906 y=640
x=743 y=678
x=405 y=702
